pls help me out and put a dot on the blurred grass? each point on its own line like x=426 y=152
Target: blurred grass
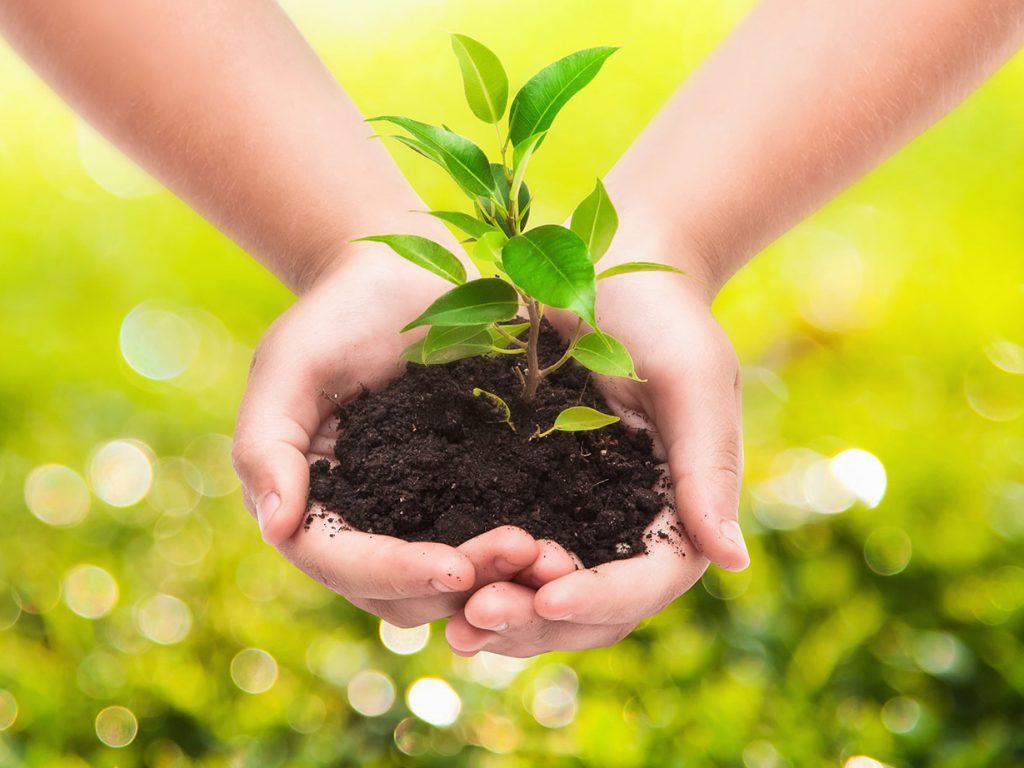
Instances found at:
x=880 y=324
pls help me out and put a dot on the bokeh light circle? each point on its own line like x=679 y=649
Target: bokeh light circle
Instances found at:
x=211 y=455
x=108 y=167
x=8 y=710
x=254 y=670
x=306 y=713
x=90 y=591
x=116 y=726
x=121 y=473
x=434 y=701
x=888 y=550
x=57 y=495
x=10 y=609
x=901 y=714
x=861 y=473
x=404 y=641
x=371 y=693
x=164 y=619
x=157 y=343
x=174 y=487
x=863 y=761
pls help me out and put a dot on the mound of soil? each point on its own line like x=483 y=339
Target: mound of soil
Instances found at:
x=425 y=460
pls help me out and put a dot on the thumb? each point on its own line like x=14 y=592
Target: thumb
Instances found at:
x=277 y=420
x=698 y=417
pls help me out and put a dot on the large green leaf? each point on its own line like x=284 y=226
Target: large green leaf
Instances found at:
x=595 y=221
x=465 y=162
x=477 y=302
x=484 y=78
x=443 y=344
x=551 y=264
x=579 y=418
x=605 y=354
x=424 y=253
x=535 y=106
x=471 y=225
x=638 y=266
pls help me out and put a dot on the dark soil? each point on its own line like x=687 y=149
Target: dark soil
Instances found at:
x=425 y=460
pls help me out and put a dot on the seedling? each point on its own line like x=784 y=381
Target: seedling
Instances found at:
x=520 y=268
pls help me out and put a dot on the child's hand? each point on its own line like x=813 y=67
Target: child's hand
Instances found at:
x=340 y=336
x=692 y=400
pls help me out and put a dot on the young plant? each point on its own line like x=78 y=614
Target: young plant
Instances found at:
x=520 y=268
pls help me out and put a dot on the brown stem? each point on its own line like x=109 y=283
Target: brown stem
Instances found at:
x=533 y=374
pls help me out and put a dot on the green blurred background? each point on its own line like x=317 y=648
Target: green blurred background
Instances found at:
x=143 y=622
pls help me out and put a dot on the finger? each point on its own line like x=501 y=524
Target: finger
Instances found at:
x=626 y=591
x=697 y=414
x=280 y=413
x=516 y=629
x=371 y=566
x=500 y=554
x=552 y=562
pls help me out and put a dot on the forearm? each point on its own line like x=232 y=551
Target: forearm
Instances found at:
x=227 y=105
x=799 y=102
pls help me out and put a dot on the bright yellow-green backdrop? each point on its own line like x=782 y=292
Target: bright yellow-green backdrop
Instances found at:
x=888 y=330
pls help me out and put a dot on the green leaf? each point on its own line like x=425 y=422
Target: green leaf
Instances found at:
x=499 y=403
x=486 y=254
x=605 y=354
x=450 y=343
x=512 y=329
x=595 y=221
x=413 y=353
x=424 y=253
x=551 y=264
x=638 y=266
x=520 y=159
x=579 y=418
x=477 y=302
x=465 y=162
x=484 y=78
x=535 y=106
x=471 y=225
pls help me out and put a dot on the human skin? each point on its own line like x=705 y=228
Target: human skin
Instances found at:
x=800 y=101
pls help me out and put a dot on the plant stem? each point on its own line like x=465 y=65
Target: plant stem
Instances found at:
x=568 y=351
x=511 y=339
x=533 y=373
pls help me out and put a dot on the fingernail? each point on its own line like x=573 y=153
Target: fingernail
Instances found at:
x=730 y=529
x=566 y=617
x=266 y=508
x=440 y=586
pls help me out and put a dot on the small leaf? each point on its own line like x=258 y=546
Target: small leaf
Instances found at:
x=605 y=354
x=595 y=221
x=512 y=329
x=413 y=353
x=477 y=302
x=638 y=266
x=486 y=253
x=445 y=345
x=499 y=403
x=535 y=106
x=483 y=77
x=424 y=253
x=465 y=162
x=503 y=185
x=520 y=159
x=579 y=418
x=471 y=225
x=551 y=264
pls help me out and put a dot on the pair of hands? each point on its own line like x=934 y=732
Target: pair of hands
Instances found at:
x=527 y=597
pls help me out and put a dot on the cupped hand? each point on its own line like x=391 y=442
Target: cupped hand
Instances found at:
x=340 y=336
x=691 y=401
